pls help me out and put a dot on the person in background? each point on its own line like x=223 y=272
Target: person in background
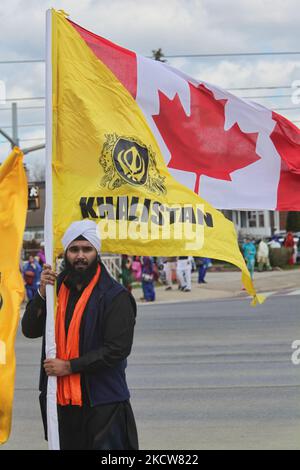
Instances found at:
x=170 y=268
x=126 y=273
x=136 y=268
x=148 y=279
x=31 y=274
x=290 y=245
x=156 y=260
x=41 y=255
x=263 y=256
x=60 y=263
x=184 y=273
x=249 y=252
x=274 y=243
x=202 y=265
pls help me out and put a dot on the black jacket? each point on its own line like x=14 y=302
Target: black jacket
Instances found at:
x=106 y=336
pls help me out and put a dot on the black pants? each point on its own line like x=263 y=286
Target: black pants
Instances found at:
x=103 y=427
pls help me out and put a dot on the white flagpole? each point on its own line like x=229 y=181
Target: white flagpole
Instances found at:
x=53 y=436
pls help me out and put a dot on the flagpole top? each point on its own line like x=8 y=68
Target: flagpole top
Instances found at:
x=63 y=13
x=17 y=151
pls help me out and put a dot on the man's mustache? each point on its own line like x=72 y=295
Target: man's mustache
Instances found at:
x=80 y=261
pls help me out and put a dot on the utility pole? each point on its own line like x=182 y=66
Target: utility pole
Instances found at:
x=14 y=116
x=14 y=139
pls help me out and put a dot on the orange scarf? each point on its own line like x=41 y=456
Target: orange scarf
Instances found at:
x=68 y=387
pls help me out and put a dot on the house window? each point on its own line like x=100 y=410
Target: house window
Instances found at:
x=236 y=217
x=243 y=219
x=229 y=215
x=261 y=218
x=252 y=217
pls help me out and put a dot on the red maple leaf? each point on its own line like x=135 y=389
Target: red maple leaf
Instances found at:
x=198 y=143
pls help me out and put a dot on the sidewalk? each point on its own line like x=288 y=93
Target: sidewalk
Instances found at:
x=221 y=285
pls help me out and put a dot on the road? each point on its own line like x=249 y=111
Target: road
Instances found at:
x=203 y=375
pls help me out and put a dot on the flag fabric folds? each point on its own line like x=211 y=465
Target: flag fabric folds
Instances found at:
x=108 y=165
x=105 y=161
x=13 y=207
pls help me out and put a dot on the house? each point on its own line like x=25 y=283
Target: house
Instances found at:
x=257 y=223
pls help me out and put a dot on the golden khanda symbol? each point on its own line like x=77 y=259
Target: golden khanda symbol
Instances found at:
x=131 y=160
x=132 y=164
x=127 y=160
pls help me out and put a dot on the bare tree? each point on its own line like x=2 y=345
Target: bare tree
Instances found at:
x=157 y=54
x=37 y=172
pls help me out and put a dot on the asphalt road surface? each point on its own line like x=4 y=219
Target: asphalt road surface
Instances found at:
x=203 y=375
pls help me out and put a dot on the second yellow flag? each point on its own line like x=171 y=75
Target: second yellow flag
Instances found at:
x=13 y=207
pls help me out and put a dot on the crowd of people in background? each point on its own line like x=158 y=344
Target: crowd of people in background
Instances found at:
x=260 y=251
x=176 y=272
x=172 y=272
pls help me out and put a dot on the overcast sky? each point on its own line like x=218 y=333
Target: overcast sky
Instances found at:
x=178 y=27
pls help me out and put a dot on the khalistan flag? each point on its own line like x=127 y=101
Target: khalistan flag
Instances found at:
x=107 y=160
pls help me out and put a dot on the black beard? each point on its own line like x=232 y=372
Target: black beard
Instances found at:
x=81 y=277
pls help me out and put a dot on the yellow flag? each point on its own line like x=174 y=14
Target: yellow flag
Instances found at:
x=13 y=207
x=108 y=166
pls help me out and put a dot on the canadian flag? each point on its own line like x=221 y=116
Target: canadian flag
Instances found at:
x=235 y=154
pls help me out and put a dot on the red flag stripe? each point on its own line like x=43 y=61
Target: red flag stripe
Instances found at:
x=288 y=194
x=120 y=61
x=286 y=138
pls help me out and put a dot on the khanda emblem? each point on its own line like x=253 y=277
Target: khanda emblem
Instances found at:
x=131 y=161
x=127 y=160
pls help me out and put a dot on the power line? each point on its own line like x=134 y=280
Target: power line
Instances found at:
x=25 y=61
x=265 y=96
x=286 y=109
x=34 y=138
x=287 y=87
x=26 y=98
x=30 y=107
x=25 y=125
x=231 y=54
x=174 y=56
x=23 y=140
x=23 y=107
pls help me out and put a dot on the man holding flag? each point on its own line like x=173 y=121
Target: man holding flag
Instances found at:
x=94 y=332
x=132 y=145
x=124 y=135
